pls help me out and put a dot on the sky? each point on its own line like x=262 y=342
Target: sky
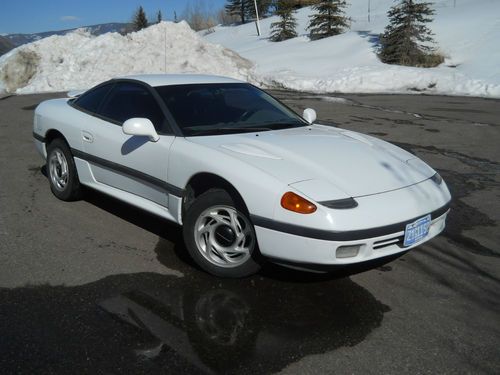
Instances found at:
x=29 y=16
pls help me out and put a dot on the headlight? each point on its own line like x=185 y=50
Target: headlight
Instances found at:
x=437 y=178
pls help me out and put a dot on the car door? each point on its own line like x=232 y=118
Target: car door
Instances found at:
x=130 y=163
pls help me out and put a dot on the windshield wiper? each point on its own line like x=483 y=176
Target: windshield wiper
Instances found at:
x=228 y=130
x=283 y=125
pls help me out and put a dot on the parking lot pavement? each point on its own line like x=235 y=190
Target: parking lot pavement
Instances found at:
x=99 y=286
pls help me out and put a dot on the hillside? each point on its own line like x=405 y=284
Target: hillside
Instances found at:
x=466 y=34
x=5 y=45
x=20 y=39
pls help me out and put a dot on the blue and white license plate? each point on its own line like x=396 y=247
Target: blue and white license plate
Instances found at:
x=417 y=230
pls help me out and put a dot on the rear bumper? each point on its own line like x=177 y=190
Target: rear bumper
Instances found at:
x=321 y=249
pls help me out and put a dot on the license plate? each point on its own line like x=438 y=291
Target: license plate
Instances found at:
x=417 y=230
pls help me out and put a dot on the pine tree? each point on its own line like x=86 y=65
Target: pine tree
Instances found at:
x=159 y=17
x=285 y=28
x=263 y=7
x=140 y=21
x=407 y=40
x=328 y=20
x=240 y=8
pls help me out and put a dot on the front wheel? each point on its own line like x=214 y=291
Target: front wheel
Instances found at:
x=219 y=236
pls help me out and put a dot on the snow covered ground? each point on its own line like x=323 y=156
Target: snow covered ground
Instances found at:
x=467 y=35
x=79 y=60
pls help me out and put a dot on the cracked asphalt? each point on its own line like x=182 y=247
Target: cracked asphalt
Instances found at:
x=97 y=286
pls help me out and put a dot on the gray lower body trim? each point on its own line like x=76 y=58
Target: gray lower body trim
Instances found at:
x=170 y=189
x=327 y=235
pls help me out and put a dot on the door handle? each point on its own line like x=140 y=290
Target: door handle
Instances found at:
x=87 y=137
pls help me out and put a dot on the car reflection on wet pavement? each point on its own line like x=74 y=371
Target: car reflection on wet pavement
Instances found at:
x=254 y=324
x=196 y=323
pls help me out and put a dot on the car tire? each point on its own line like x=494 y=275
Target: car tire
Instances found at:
x=61 y=171
x=220 y=237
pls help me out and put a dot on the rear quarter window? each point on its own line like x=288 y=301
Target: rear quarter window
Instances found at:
x=91 y=100
x=128 y=100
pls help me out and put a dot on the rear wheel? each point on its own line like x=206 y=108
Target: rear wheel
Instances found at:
x=62 y=173
x=219 y=236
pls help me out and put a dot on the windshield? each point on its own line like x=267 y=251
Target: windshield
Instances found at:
x=223 y=108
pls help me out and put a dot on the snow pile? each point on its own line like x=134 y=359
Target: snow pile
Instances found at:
x=79 y=60
x=467 y=35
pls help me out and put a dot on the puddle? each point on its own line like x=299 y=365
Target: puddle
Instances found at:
x=257 y=324
x=197 y=324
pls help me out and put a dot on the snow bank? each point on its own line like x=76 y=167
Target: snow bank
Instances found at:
x=79 y=60
x=467 y=35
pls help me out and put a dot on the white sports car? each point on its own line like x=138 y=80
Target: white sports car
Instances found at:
x=247 y=177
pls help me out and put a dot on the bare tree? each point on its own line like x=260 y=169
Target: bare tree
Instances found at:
x=224 y=18
x=198 y=16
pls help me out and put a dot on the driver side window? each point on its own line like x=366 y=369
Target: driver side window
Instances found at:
x=127 y=100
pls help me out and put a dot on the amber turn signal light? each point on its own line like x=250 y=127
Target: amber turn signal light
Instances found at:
x=293 y=202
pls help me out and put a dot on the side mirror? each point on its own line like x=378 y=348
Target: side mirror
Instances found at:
x=309 y=115
x=141 y=127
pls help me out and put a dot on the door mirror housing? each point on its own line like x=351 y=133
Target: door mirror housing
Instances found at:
x=141 y=127
x=309 y=115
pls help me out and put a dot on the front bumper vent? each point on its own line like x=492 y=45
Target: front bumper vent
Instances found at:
x=388 y=242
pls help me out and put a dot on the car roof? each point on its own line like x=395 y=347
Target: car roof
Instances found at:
x=179 y=79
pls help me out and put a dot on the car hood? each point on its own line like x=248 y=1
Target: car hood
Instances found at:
x=348 y=162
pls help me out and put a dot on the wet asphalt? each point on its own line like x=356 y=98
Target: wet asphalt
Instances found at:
x=97 y=286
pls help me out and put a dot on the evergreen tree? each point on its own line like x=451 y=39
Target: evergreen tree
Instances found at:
x=407 y=40
x=263 y=6
x=305 y=3
x=245 y=9
x=328 y=20
x=285 y=28
x=140 y=21
x=297 y=4
x=159 y=17
x=241 y=9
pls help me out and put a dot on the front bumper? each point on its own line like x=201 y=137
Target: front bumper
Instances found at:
x=297 y=248
x=40 y=144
